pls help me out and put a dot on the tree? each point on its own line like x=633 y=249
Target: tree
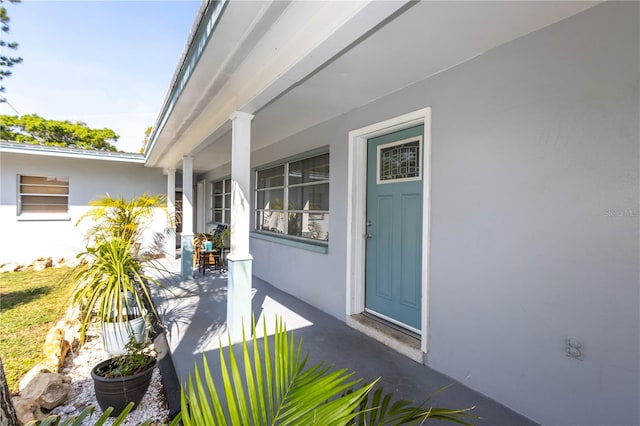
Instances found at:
x=34 y=129
x=7 y=411
x=6 y=61
x=145 y=141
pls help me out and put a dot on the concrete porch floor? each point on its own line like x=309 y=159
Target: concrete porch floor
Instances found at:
x=194 y=313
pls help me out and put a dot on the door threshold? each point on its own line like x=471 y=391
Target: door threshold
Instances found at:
x=397 y=340
x=395 y=326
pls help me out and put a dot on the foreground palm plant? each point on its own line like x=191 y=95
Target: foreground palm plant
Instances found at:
x=276 y=389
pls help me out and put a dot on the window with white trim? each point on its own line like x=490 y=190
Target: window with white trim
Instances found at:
x=43 y=194
x=293 y=198
x=221 y=201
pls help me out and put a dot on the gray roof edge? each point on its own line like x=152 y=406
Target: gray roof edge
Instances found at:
x=59 y=151
x=205 y=6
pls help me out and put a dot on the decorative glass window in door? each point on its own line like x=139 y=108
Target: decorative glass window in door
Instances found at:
x=400 y=161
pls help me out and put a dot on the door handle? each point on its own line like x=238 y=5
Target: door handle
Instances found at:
x=367 y=235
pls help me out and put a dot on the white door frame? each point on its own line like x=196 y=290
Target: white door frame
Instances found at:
x=356 y=210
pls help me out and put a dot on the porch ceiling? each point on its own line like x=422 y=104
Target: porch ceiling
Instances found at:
x=295 y=65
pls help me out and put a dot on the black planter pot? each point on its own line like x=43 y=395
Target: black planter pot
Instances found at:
x=120 y=391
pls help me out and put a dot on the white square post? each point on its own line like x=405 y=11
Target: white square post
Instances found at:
x=240 y=260
x=171 y=212
x=187 y=218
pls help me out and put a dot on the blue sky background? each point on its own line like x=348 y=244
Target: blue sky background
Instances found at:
x=106 y=63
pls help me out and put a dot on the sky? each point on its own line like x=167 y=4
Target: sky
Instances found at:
x=106 y=63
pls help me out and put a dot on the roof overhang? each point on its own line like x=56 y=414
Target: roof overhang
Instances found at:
x=56 y=151
x=297 y=64
x=258 y=50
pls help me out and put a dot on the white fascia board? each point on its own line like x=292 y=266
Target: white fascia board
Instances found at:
x=303 y=39
x=182 y=62
x=49 y=151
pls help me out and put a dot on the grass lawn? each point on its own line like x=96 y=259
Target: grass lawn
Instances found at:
x=30 y=304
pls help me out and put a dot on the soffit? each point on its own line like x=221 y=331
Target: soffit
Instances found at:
x=420 y=40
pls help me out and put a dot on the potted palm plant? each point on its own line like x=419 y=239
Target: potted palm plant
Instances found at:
x=111 y=280
x=113 y=285
x=116 y=217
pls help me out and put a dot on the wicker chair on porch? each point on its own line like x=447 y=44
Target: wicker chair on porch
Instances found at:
x=198 y=243
x=201 y=262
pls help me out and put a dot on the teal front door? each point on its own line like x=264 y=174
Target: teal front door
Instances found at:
x=393 y=270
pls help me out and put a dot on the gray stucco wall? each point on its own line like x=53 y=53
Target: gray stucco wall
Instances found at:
x=534 y=218
x=23 y=241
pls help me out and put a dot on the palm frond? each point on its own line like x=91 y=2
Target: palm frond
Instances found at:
x=112 y=271
x=85 y=414
x=378 y=408
x=274 y=389
x=278 y=389
x=115 y=217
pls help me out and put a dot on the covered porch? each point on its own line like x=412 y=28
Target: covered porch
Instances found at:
x=520 y=244
x=194 y=313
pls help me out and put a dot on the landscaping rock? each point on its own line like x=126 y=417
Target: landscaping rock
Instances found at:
x=56 y=394
x=10 y=267
x=63 y=409
x=55 y=348
x=48 y=389
x=71 y=329
x=73 y=314
x=41 y=263
x=69 y=263
x=35 y=371
x=27 y=410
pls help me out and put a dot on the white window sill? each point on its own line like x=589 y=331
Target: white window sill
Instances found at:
x=317 y=247
x=27 y=217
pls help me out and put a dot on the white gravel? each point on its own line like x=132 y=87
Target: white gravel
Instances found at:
x=78 y=367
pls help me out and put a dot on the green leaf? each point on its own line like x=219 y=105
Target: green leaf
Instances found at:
x=121 y=417
x=279 y=389
x=77 y=420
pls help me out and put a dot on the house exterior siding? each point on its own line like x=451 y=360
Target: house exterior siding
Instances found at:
x=534 y=214
x=25 y=240
x=534 y=218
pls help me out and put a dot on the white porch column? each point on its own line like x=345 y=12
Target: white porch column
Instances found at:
x=187 y=217
x=240 y=260
x=171 y=211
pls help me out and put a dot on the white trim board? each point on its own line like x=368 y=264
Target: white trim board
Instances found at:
x=356 y=211
x=57 y=151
